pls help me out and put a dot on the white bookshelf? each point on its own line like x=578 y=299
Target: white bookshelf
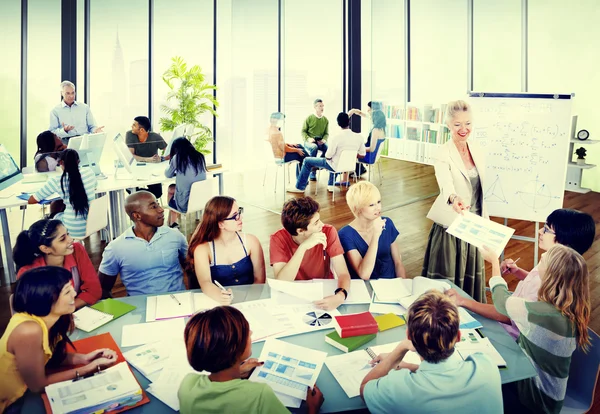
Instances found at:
x=574 y=170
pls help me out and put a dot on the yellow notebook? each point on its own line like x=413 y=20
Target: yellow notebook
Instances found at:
x=388 y=321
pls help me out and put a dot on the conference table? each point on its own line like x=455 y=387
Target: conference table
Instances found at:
x=114 y=185
x=518 y=365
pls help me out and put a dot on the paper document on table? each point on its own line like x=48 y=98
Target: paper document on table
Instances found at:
x=387 y=308
x=288 y=369
x=174 y=305
x=145 y=333
x=306 y=291
x=288 y=401
x=113 y=386
x=480 y=232
x=472 y=342
x=350 y=369
x=391 y=290
x=358 y=293
x=421 y=285
x=87 y=319
x=467 y=321
x=200 y=302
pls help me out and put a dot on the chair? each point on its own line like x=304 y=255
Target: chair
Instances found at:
x=97 y=218
x=583 y=377
x=369 y=165
x=346 y=163
x=278 y=162
x=200 y=193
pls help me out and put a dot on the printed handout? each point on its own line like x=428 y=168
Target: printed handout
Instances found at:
x=480 y=232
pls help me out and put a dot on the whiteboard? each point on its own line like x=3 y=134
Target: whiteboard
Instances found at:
x=526 y=141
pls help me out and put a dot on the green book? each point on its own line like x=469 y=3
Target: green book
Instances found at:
x=114 y=307
x=347 y=344
x=89 y=318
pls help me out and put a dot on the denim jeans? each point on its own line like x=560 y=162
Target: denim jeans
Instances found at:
x=312 y=148
x=294 y=156
x=307 y=166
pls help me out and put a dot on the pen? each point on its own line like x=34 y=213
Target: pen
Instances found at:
x=175 y=299
x=220 y=286
x=507 y=268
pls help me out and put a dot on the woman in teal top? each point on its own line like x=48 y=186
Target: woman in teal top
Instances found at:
x=218 y=341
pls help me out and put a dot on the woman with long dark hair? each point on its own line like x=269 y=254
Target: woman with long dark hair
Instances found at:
x=220 y=252
x=36 y=337
x=48 y=243
x=48 y=151
x=188 y=166
x=76 y=186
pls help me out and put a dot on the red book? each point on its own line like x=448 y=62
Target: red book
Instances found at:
x=356 y=324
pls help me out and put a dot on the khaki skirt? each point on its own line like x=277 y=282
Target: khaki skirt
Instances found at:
x=448 y=257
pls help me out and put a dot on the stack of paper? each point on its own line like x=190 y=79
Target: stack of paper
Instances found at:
x=358 y=293
x=289 y=370
x=294 y=293
x=149 y=359
x=164 y=306
x=350 y=369
x=472 y=342
x=111 y=389
x=87 y=319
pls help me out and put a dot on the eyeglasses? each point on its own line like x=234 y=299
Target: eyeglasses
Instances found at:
x=237 y=215
x=548 y=230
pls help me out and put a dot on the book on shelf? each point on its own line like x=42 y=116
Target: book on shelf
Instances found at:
x=92 y=317
x=355 y=324
x=347 y=344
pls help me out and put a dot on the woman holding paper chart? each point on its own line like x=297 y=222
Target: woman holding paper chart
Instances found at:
x=48 y=243
x=36 y=337
x=219 y=341
x=219 y=252
x=459 y=170
x=369 y=241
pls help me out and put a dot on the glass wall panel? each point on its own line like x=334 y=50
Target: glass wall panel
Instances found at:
x=10 y=75
x=81 y=49
x=563 y=58
x=118 y=63
x=438 y=50
x=313 y=66
x=43 y=68
x=497 y=46
x=183 y=29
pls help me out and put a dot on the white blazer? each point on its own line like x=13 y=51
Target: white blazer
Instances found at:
x=452 y=178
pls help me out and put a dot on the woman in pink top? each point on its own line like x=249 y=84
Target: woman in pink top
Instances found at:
x=568 y=227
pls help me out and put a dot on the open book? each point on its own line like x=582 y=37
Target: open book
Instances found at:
x=177 y=305
x=471 y=342
x=405 y=291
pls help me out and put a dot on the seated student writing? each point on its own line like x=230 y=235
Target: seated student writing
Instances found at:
x=220 y=252
x=443 y=382
x=370 y=240
x=48 y=151
x=551 y=328
x=568 y=227
x=47 y=243
x=218 y=341
x=147 y=256
x=76 y=186
x=306 y=249
x=188 y=166
x=36 y=337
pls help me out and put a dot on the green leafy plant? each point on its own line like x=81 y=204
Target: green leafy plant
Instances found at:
x=192 y=96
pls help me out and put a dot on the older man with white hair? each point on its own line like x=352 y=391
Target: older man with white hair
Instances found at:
x=71 y=118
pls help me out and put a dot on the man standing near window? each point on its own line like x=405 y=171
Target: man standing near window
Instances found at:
x=71 y=118
x=315 y=132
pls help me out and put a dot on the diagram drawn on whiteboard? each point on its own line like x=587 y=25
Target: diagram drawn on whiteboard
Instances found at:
x=495 y=193
x=536 y=194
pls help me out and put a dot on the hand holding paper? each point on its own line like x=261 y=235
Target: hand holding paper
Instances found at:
x=481 y=232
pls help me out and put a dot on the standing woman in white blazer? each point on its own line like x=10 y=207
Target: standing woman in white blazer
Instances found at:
x=459 y=170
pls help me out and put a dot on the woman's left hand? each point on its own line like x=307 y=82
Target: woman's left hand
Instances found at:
x=248 y=366
x=99 y=353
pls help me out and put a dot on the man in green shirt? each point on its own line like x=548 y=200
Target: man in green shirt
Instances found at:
x=315 y=132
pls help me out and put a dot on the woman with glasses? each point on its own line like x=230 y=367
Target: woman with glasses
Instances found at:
x=220 y=253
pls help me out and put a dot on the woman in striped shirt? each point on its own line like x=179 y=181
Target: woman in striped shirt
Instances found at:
x=76 y=186
x=550 y=329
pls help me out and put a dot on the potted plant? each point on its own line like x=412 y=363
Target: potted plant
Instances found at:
x=192 y=96
x=580 y=156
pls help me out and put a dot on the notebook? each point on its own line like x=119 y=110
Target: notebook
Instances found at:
x=405 y=291
x=355 y=324
x=347 y=344
x=92 y=317
x=198 y=301
x=471 y=342
x=388 y=321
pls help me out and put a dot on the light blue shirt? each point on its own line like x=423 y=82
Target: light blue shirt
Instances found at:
x=450 y=386
x=77 y=115
x=147 y=267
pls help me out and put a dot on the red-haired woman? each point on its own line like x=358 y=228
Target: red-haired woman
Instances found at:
x=218 y=341
x=219 y=252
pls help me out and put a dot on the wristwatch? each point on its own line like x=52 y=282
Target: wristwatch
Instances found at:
x=341 y=290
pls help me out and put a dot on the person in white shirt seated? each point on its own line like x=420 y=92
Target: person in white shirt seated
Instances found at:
x=49 y=147
x=345 y=140
x=71 y=118
x=443 y=382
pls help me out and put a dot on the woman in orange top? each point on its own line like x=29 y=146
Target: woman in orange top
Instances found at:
x=36 y=337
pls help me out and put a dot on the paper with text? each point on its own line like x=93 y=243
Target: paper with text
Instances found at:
x=480 y=232
x=145 y=333
x=174 y=305
x=305 y=291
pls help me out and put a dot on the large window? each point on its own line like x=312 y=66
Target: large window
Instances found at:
x=312 y=60
x=497 y=46
x=118 y=63
x=563 y=58
x=183 y=29
x=438 y=47
x=10 y=75
x=43 y=68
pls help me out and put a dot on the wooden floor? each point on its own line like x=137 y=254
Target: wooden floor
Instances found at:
x=408 y=190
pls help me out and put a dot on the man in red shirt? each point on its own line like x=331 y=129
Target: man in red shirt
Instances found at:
x=306 y=249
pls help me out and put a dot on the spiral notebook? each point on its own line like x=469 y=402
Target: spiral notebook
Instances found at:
x=92 y=317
